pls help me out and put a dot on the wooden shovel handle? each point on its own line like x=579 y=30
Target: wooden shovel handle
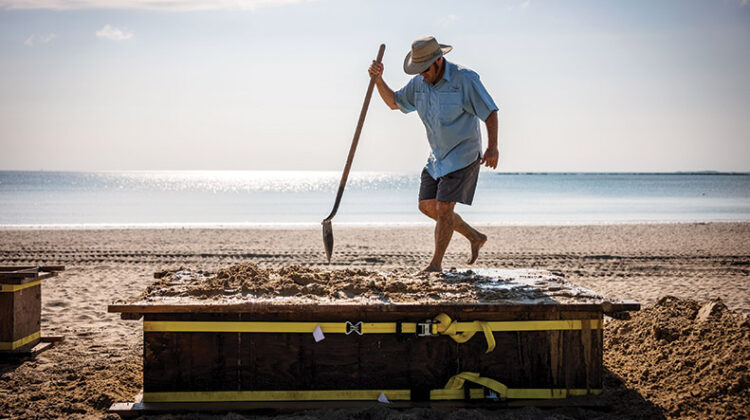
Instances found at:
x=353 y=148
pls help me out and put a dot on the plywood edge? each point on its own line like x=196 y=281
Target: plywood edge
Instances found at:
x=11 y=278
x=135 y=409
x=32 y=267
x=254 y=307
x=624 y=306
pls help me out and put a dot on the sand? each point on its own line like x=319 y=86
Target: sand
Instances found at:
x=689 y=358
x=299 y=285
x=99 y=361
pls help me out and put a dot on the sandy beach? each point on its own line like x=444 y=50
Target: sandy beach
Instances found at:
x=99 y=361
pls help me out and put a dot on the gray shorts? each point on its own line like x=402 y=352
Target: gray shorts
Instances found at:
x=457 y=186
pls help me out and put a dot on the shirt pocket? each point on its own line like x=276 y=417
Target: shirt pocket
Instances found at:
x=451 y=106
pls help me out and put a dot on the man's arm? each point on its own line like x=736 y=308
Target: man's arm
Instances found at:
x=376 y=70
x=491 y=155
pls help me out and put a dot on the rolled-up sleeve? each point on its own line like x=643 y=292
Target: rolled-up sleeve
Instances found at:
x=477 y=100
x=405 y=98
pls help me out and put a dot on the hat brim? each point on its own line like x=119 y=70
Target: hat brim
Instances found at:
x=410 y=67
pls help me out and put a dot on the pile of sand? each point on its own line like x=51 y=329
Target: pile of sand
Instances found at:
x=300 y=284
x=80 y=386
x=688 y=358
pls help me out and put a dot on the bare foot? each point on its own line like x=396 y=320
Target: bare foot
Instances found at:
x=432 y=269
x=476 y=246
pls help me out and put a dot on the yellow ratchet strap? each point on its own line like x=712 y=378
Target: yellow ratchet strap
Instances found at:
x=12 y=345
x=271 y=327
x=10 y=288
x=448 y=327
x=454 y=389
x=294 y=395
x=442 y=324
x=457 y=382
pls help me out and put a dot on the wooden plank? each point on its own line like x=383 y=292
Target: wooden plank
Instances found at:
x=537 y=360
x=624 y=306
x=379 y=358
x=140 y=409
x=306 y=309
x=336 y=361
x=24 y=280
x=25 y=274
x=27 y=306
x=597 y=354
x=7 y=316
x=214 y=362
x=135 y=409
x=162 y=364
x=27 y=352
x=16 y=268
x=430 y=361
x=357 y=314
x=126 y=410
x=274 y=361
x=21 y=273
x=587 y=401
x=37 y=267
x=574 y=369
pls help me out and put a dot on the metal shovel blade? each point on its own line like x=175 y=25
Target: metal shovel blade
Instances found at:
x=328 y=238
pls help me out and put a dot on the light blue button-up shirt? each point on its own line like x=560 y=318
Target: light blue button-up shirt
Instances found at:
x=450 y=110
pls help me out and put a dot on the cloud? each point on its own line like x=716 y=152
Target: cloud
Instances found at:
x=114 y=34
x=518 y=6
x=165 y=5
x=448 y=20
x=39 y=39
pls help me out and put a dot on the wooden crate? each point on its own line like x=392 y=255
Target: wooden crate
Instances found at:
x=266 y=352
x=21 y=306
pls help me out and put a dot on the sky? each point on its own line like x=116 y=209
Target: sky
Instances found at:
x=278 y=84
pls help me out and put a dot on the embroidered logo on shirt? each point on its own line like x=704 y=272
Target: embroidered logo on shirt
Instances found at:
x=455 y=88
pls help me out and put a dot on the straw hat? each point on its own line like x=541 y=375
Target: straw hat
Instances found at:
x=424 y=52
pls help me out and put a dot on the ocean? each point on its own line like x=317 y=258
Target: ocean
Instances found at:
x=303 y=198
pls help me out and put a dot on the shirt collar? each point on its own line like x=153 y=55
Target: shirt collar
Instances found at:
x=447 y=72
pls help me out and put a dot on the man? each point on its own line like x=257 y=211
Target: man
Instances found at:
x=450 y=100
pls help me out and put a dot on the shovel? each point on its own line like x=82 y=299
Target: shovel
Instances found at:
x=327 y=228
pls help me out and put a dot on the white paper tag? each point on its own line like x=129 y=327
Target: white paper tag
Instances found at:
x=318 y=334
x=382 y=398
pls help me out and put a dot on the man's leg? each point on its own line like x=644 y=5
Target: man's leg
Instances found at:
x=476 y=238
x=443 y=233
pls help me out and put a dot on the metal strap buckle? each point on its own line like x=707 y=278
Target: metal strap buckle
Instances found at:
x=424 y=329
x=350 y=328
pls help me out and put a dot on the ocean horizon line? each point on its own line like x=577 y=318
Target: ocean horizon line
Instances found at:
x=326 y=171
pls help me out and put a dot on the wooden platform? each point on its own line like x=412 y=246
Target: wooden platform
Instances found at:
x=255 y=355
x=21 y=308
